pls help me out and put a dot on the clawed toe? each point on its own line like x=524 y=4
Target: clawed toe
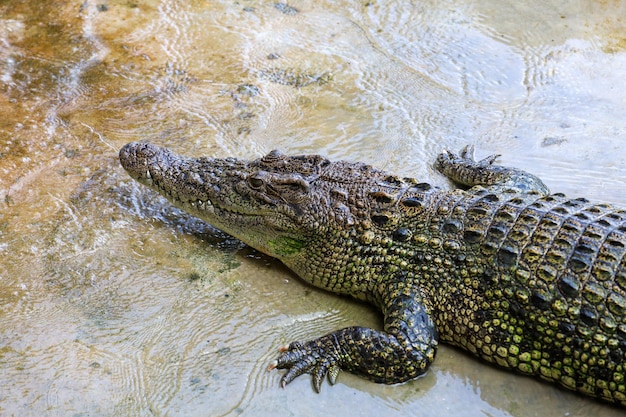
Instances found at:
x=299 y=358
x=488 y=160
x=466 y=157
x=468 y=152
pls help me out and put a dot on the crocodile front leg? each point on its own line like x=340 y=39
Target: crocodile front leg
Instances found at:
x=403 y=351
x=464 y=169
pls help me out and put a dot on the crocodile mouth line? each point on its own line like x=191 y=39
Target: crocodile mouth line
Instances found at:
x=208 y=206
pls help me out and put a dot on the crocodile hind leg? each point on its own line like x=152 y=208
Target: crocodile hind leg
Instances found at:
x=464 y=169
x=403 y=351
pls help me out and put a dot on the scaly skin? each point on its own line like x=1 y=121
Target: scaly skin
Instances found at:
x=523 y=279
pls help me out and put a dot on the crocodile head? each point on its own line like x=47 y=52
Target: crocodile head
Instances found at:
x=277 y=204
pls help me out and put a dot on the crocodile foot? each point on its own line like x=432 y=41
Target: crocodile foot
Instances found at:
x=464 y=169
x=464 y=158
x=317 y=357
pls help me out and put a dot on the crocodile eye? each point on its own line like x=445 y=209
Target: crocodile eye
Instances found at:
x=256 y=181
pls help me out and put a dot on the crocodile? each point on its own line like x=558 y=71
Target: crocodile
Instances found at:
x=524 y=279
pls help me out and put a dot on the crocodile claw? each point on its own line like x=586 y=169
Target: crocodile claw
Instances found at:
x=468 y=152
x=465 y=157
x=306 y=358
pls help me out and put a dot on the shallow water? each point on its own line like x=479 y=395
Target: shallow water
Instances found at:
x=114 y=303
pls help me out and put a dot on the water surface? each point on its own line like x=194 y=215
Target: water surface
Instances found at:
x=114 y=303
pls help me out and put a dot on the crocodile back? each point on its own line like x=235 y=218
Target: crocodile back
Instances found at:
x=547 y=278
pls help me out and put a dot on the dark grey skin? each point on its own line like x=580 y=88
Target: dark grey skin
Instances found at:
x=529 y=281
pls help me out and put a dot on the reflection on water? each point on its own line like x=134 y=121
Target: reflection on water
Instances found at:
x=114 y=303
